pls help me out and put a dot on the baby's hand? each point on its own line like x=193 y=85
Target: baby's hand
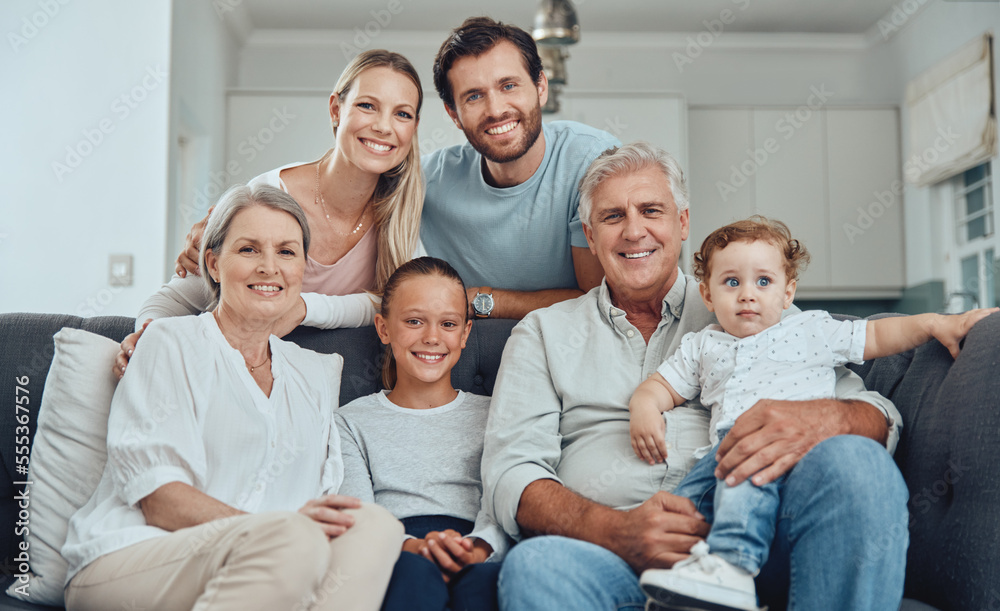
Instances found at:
x=950 y=330
x=648 y=430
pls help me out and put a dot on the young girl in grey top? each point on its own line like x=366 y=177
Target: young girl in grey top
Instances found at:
x=416 y=448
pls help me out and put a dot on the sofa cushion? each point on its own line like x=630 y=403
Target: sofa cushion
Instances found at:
x=67 y=456
x=28 y=348
x=949 y=457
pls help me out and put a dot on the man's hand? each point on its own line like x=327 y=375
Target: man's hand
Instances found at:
x=187 y=261
x=658 y=533
x=648 y=431
x=128 y=347
x=772 y=436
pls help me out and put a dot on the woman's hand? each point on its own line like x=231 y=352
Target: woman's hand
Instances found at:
x=128 y=346
x=451 y=552
x=187 y=261
x=327 y=511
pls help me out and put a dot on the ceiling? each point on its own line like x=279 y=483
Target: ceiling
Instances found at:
x=807 y=16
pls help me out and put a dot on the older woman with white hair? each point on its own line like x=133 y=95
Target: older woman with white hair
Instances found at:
x=223 y=453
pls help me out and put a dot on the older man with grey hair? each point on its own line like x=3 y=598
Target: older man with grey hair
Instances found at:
x=558 y=470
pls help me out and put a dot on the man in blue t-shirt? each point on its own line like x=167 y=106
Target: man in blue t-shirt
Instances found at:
x=503 y=208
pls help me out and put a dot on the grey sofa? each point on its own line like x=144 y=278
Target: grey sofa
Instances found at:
x=949 y=452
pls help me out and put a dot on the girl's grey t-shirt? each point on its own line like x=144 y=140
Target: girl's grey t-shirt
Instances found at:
x=417 y=462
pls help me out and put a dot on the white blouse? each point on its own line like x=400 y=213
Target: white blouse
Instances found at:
x=189 y=411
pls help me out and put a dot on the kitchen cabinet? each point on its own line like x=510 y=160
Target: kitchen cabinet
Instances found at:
x=830 y=174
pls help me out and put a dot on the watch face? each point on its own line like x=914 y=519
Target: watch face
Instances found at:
x=483 y=303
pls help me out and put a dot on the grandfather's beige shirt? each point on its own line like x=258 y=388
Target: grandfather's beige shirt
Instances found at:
x=560 y=404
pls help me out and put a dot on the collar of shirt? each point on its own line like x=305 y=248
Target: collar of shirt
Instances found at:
x=673 y=303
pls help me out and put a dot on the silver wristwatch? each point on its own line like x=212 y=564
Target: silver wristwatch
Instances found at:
x=482 y=303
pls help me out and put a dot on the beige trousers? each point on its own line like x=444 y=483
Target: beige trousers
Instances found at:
x=279 y=561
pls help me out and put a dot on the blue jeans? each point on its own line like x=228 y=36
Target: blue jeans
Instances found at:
x=840 y=544
x=743 y=517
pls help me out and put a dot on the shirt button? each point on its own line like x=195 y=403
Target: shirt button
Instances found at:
x=630 y=333
x=272 y=444
x=259 y=488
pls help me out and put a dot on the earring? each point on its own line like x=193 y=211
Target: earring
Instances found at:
x=336 y=123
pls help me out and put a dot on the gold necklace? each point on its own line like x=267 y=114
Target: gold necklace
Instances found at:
x=218 y=321
x=321 y=201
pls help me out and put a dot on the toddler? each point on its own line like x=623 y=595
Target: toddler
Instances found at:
x=748 y=272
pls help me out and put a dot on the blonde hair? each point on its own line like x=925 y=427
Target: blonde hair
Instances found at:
x=399 y=193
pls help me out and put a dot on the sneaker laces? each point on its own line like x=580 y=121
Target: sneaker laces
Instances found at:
x=701 y=556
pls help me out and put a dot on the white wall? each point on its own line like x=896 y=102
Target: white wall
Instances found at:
x=917 y=45
x=740 y=69
x=76 y=72
x=204 y=55
x=63 y=77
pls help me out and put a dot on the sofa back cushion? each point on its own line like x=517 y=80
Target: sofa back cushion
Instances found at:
x=949 y=455
x=68 y=454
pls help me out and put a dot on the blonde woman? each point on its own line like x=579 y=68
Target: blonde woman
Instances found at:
x=362 y=200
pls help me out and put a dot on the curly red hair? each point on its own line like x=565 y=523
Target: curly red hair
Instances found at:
x=755 y=228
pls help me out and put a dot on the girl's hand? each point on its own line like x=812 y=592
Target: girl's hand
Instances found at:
x=327 y=511
x=451 y=552
x=415 y=546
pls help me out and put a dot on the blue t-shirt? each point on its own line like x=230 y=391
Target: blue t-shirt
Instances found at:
x=516 y=237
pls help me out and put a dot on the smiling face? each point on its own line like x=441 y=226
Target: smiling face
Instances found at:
x=747 y=287
x=426 y=328
x=260 y=264
x=377 y=119
x=637 y=233
x=496 y=103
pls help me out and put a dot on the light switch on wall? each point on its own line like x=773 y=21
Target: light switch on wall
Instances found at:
x=120 y=270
